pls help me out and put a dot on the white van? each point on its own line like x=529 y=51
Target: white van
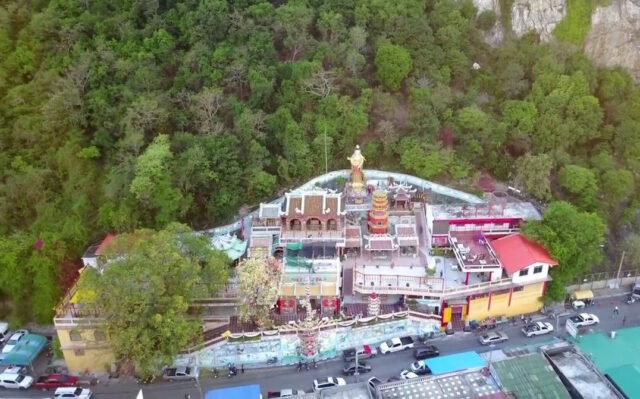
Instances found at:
x=15 y=381
x=4 y=331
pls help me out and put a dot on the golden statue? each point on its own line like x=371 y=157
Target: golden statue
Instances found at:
x=357 y=177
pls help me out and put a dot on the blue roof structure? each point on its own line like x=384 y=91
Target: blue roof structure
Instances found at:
x=25 y=351
x=241 y=392
x=457 y=362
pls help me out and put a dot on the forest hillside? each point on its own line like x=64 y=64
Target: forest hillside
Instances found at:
x=120 y=114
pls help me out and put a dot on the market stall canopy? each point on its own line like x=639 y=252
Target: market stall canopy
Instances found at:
x=229 y=244
x=581 y=295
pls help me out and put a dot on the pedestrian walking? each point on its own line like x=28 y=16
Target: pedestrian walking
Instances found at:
x=616 y=311
x=242 y=368
x=624 y=320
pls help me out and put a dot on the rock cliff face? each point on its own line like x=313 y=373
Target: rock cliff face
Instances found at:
x=541 y=16
x=614 y=38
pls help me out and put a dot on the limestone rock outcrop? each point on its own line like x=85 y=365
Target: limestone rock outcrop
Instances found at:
x=614 y=38
x=541 y=16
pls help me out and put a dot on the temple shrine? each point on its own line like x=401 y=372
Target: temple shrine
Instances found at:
x=356 y=188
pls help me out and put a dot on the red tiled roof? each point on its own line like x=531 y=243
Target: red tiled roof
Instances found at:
x=406 y=231
x=107 y=240
x=517 y=252
x=385 y=244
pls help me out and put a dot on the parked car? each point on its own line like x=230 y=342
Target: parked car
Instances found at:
x=351 y=368
x=4 y=331
x=396 y=344
x=73 y=393
x=425 y=352
x=13 y=340
x=53 y=381
x=364 y=352
x=493 y=337
x=181 y=373
x=395 y=378
x=15 y=381
x=538 y=328
x=408 y=375
x=285 y=393
x=420 y=368
x=329 y=382
x=15 y=370
x=584 y=319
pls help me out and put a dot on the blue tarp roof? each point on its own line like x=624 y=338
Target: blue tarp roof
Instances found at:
x=451 y=363
x=25 y=351
x=242 y=392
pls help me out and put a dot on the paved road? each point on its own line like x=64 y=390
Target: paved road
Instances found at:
x=383 y=366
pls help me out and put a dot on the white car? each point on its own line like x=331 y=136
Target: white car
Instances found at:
x=15 y=381
x=13 y=340
x=538 y=328
x=585 y=319
x=493 y=337
x=330 y=382
x=72 y=392
x=408 y=375
x=396 y=344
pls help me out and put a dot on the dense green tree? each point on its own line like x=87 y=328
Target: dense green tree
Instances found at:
x=581 y=184
x=149 y=279
x=393 y=65
x=533 y=173
x=573 y=238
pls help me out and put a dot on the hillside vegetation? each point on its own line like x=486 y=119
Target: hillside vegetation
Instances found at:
x=121 y=114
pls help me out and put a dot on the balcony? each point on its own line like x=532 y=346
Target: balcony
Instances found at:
x=473 y=252
x=426 y=286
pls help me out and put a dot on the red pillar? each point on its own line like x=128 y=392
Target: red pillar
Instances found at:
x=510 y=294
x=489 y=304
x=468 y=305
x=544 y=287
x=490 y=275
x=466 y=280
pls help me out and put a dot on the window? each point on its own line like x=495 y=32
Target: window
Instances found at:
x=523 y=272
x=78 y=352
x=99 y=335
x=537 y=269
x=75 y=335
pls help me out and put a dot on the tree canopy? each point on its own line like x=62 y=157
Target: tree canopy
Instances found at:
x=148 y=281
x=120 y=115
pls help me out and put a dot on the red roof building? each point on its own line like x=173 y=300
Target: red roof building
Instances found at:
x=516 y=252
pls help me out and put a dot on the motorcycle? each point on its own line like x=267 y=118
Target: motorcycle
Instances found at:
x=631 y=299
x=272 y=360
x=232 y=370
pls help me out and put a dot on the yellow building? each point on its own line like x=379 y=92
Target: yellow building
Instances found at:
x=81 y=332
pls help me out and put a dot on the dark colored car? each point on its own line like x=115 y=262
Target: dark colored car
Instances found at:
x=350 y=369
x=395 y=378
x=425 y=352
x=53 y=381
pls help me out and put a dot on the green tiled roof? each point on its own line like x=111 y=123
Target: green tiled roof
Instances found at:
x=530 y=377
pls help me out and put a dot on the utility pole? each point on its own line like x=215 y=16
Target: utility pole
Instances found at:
x=619 y=269
x=326 y=163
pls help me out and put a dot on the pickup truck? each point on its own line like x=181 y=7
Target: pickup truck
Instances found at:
x=53 y=381
x=180 y=373
x=364 y=352
x=584 y=319
x=396 y=344
x=285 y=393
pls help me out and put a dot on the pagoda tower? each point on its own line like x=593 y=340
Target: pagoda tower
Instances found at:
x=378 y=221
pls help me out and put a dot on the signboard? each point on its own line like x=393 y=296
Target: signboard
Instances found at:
x=571 y=328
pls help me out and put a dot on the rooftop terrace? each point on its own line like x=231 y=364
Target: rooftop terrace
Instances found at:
x=473 y=252
x=449 y=386
x=522 y=210
x=618 y=358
